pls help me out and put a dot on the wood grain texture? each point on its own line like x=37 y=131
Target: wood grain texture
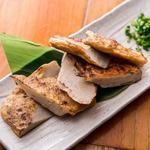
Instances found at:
x=37 y=20
x=93 y=147
x=1 y=147
x=38 y=23
x=97 y=8
x=4 y=66
x=130 y=129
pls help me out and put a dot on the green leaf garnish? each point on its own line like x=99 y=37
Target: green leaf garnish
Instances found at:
x=25 y=56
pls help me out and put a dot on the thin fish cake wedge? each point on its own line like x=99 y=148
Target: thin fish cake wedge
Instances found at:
x=80 y=49
x=114 y=48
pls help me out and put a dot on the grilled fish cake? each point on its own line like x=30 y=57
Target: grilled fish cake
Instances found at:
x=22 y=113
x=117 y=74
x=80 y=49
x=113 y=48
x=45 y=89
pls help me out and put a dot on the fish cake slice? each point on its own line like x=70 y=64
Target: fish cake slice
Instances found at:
x=43 y=87
x=117 y=74
x=80 y=49
x=22 y=113
x=113 y=48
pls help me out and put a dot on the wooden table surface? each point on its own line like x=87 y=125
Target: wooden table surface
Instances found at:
x=37 y=20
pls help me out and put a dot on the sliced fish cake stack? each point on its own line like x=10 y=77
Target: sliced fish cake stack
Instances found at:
x=105 y=71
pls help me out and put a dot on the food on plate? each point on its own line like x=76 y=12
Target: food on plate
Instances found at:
x=139 y=30
x=118 y=73
x=112 y=47
x=43 y=87
x=71 y=88
x=78 y=48
x=22 y=113
x=77 y=88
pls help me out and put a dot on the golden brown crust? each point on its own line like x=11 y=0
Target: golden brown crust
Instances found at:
x=113 y=48
x=46 y=91
x=17 y=111
x=49 y=88
x=80 y=49
x=114 y=69
x=124 y=72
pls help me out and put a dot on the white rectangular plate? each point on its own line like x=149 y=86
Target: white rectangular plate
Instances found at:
x=62 y=133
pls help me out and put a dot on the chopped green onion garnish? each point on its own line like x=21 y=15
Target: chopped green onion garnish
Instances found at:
x=139 y=30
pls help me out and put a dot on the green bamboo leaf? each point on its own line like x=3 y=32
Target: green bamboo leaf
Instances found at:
x=20 y=53
x=108 y=93
x=25 y=56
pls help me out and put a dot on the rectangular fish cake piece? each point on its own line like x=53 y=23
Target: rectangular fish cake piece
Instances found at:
x=22 y=113
x=112 y=47
x=117 y=74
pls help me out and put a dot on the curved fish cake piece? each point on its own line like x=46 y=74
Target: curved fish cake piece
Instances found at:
x=113 y=48
x=80 y=49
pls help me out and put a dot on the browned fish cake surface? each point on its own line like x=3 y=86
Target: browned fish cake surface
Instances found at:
x=17 y=110
x=114 y=69
x=118 y=73
x=80 y=49
x=114 y=48
x=45 y=90
x=49 y=88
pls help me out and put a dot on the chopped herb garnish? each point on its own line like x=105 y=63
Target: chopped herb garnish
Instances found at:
x=139 y=30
